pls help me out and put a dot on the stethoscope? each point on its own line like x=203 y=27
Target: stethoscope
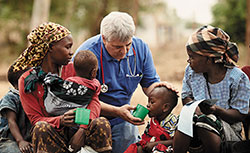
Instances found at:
x=104 y=87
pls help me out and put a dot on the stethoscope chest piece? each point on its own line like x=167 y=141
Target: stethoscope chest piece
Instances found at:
x=104 y=88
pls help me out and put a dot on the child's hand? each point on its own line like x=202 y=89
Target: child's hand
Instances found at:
x=78 y=140
x=149 y=146
x=25 y=147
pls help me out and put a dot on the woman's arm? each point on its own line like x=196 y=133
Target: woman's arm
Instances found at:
x=229 y=115
x=33 y=104
x=239 y=101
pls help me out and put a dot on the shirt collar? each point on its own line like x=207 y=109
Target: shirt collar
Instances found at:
x=130 y=52
x=14 y=90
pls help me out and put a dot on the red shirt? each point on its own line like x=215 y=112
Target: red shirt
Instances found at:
x=246 y=69
x=94 y=104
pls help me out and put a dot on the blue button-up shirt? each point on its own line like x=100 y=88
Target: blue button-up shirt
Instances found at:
x=232 y=92
x=121 y=84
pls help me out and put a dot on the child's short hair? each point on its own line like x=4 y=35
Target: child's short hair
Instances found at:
x=169 y=95
x=84 y=62
x=14 y=76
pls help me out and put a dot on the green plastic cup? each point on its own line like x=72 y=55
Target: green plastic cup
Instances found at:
x=140 y=112
x=82 y=116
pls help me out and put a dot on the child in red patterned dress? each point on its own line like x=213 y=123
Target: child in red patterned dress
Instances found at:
x=160 y=131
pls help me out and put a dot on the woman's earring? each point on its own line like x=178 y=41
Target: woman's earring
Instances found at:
x=50 y=47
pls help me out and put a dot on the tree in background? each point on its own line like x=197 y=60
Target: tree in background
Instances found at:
x=230 y=15
x=14 y=17
x=40 y=13
x=233 y=16
x=87 y=15
x=248 y=32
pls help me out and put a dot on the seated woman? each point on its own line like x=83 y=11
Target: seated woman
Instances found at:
x=212 y=74
x=50 y=49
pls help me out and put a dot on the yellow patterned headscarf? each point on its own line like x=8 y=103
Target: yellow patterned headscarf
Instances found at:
x=40 y=38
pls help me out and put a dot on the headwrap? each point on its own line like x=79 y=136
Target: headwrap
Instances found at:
x=214 y=42
x=40 y=38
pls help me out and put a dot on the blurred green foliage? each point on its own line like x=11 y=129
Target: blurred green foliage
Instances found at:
x=230 y=15
x=14 y=17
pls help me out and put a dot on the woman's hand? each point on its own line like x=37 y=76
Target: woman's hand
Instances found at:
x=207 y=109
x=78 y=140
x=25 y=147
x=124 y=113
x=198 y=111
x=68 y=118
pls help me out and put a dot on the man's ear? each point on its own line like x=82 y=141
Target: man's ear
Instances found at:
x=103 y=39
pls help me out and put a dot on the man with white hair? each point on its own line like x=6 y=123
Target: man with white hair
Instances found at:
x=124 y=62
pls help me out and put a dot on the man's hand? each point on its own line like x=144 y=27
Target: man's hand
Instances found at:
x=68 y=118
x=124 y=113
x=160 y=84
x=167 y=85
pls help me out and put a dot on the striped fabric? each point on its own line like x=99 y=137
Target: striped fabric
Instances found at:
x=214 y=42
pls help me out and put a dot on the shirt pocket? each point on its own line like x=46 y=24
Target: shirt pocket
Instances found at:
x=132 y=83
